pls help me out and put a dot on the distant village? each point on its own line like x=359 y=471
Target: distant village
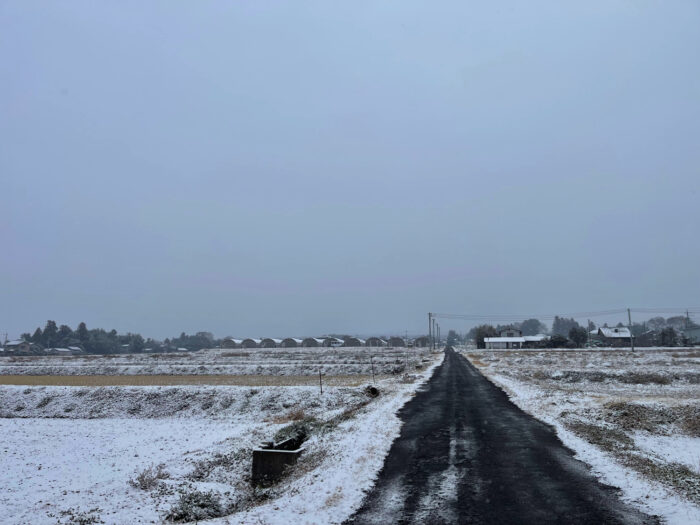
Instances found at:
x=565 y=333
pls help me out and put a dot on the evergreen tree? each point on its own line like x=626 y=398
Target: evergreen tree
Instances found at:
x=82 y=333
x=65 y=334
x=532 y=327
x=578 y=335
x=50 y=337
x=481 y=332
x=562 y=326
x=38 y=336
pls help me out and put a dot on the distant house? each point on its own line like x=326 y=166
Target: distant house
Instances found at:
x=375 y=342
x=20 y=347
x=422 y=341
x=269 y=342
x=230 y=342
x=291 y=342
x=533 y=341
x=59 y=351
x=616 y=336
x=503 y=343
x=513 y=339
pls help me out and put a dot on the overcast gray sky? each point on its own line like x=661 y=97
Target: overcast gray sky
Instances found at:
x=297 y=168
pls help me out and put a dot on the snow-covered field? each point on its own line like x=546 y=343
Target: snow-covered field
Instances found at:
x=73 y=454
x=634 y=417
x=254 y=361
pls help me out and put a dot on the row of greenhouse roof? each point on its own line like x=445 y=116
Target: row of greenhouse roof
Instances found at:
x=315 y=342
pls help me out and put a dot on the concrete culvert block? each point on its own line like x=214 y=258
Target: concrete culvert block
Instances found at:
x=271 y=460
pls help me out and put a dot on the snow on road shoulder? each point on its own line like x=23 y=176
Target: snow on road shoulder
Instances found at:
x=354 y=455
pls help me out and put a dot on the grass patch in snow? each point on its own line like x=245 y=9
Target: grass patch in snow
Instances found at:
x=197 y=505
x=674 y=475
x=149 y=478
x=654 y=419
x=609 y=439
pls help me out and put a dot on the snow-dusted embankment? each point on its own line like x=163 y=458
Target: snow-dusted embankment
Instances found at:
x=70 y=452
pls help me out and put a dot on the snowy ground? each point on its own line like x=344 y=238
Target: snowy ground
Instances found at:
x=634 y=417
x=69 y=453
x=254 y=361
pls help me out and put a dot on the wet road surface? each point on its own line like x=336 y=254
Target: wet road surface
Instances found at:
x=466 y=454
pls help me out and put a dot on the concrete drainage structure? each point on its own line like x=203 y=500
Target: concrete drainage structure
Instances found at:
x=271 y=460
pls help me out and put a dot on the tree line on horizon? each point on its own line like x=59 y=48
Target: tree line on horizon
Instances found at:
x=100 y=341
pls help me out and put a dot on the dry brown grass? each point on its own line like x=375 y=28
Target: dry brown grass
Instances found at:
x=693 y=353
x=474 y=359
x=295 y=414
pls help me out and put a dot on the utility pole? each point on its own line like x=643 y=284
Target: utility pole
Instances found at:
x=430 y=330
x=434 y=332
x=629 y=318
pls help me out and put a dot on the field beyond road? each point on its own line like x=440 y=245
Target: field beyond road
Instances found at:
x=634 y=417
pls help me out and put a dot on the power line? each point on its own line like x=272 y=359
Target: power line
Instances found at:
x=548 y=317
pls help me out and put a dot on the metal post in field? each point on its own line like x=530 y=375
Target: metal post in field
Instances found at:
x=372 y=363
x=320 y=381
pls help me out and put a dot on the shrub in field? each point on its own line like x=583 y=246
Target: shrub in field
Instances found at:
x=149 y=478
x=298 y=429
x=73 y=516
x=44 y=402
x=645 y=378
x=540 y=374
x=196 y=505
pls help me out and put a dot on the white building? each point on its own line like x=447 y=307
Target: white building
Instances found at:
x=512 y=342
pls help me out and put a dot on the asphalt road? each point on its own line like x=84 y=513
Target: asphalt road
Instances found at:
x=466 y=454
